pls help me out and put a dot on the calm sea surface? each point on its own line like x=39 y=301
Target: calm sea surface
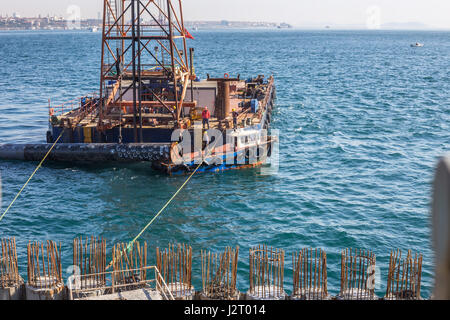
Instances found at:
x=363 y=119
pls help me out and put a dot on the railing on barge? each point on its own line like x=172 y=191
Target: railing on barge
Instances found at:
x=76 y=110
x=111 y=282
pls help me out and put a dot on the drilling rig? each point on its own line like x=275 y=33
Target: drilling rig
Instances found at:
x=150 y=104
x=144 y=64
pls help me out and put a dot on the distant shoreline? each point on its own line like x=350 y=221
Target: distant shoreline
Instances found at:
x=241 y=28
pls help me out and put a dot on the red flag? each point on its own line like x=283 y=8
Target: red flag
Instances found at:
x=187 y=34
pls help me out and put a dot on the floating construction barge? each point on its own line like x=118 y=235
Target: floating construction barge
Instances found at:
x=150 y=103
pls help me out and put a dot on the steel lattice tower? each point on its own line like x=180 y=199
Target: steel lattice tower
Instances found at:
x=143 y=43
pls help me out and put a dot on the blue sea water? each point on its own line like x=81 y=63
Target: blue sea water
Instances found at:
x=363 y=118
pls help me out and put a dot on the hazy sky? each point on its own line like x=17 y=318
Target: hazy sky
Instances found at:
x=434 y=13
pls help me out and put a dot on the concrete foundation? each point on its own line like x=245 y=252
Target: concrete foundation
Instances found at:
x=204 y=296
x=43 y=290
x=181 y=291
x=311 y=295
x=356 y=294
x=266 y=293
x=403 y=296
x=14 y=292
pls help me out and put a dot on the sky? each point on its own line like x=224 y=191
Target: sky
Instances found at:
x=300 y=13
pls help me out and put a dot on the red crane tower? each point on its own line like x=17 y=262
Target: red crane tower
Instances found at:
x=144 y=61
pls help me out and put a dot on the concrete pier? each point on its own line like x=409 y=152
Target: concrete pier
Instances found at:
x=45 y=289
x=266 y=293
x=204 y=296
x=11 y=283
x=81 y=152
x=311 y=294
x=357 y=294
x=16 y=292
x=182 y=291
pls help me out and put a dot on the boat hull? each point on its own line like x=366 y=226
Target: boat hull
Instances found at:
x=245 y=158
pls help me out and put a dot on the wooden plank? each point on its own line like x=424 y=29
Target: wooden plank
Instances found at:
x=113 y=93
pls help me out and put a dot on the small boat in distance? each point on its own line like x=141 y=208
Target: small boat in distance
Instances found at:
x=417 y=44
x=94 y=29
x=284 y=26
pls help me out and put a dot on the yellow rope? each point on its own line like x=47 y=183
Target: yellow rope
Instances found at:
x=165 y=206
x=130 y=244
x=29 y=179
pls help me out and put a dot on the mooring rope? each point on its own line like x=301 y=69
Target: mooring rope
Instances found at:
x=130 y=244
x=31 y=177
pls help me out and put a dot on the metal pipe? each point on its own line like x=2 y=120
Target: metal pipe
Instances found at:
x=133 y=50
x=102 y=62
x=171 y=39
x=141 y=138
x=92 y=153
x=191 y=55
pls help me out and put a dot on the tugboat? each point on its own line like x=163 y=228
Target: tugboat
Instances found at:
x=150 y=102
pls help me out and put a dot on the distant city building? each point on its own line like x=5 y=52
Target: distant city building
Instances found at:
x=53 y=22
x=47 y=23
x=197 y=25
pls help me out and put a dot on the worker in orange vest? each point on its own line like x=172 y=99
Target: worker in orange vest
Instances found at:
x=206 y=116
x=235 y=119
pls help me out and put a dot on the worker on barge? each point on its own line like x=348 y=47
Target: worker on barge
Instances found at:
x=235 y=119
x=206 y=115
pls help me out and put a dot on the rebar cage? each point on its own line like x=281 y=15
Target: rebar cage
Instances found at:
x=9 y=271
x=90 y=258
x=175 y=265
x=44 y=265
x=310 y=274
x=266 y=272
x=404 y=276
x=357 y=274
x=219 y=274
x=129 y=257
